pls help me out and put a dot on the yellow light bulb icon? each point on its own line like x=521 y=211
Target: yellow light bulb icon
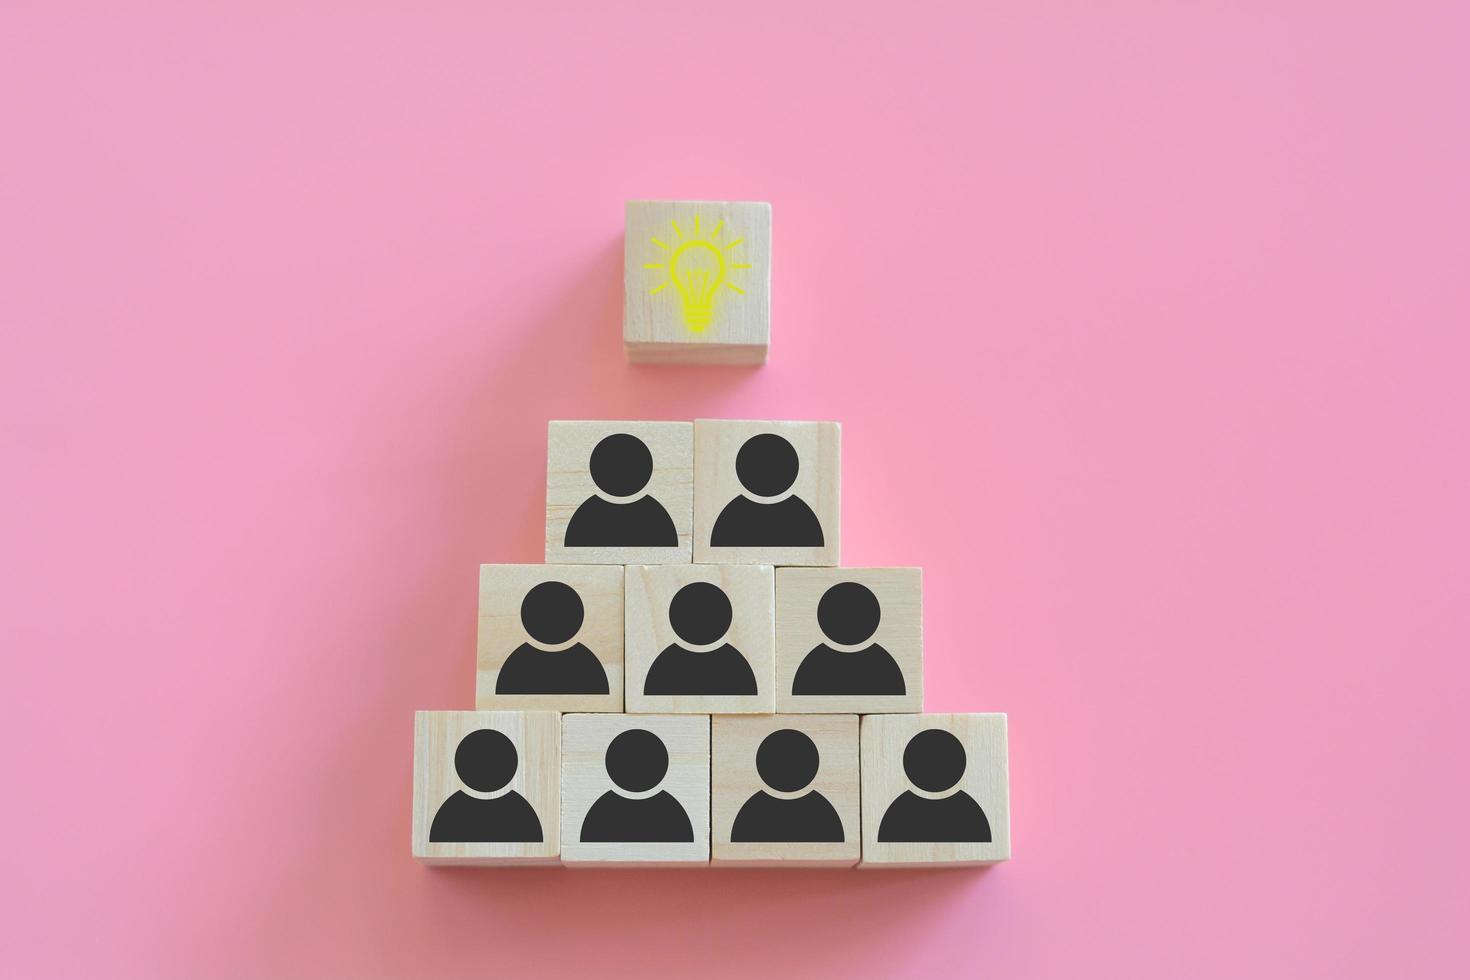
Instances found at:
x=698 y=269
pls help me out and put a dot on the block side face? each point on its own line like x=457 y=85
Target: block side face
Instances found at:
x=735 y=524
x=621 y=522
x=655 y=652
x=842 y=674
x=745 y=807
x=440 y=792
x=697 y=273
x=706 y=354
x=533 y=668
x=887 y=791
x=592 y=802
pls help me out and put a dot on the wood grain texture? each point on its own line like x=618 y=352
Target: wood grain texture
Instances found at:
x=899 y=592
x=537 y=738
x=655 y=328
x=734 y=780
x=569 y=484
x=818 y=446
x=503 y=587
x=584 y=778
x=985 y=779
x=649 y=590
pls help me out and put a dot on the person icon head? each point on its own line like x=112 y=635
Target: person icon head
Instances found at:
x=700 y=614
x=551 y=613
x=621 y=465
x=934 y=760
x=637 y=761
x=767 y=465
x=848 y=614
x=787 y=760
x=486 y=761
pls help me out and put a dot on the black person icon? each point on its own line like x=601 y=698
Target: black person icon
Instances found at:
x=848 y=614
x=621 y=467
x=767 y=466
x=934 y=761
x=551 y=614
x=637 y=762
x=700 y=616
x=485 y=811
x=787 y=762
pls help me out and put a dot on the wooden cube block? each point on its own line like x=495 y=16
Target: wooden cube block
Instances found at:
x=635 y=790
x=550 y=638
x=849 y=639
x=784 y=790
x=935 y=790
x=486 y=787
x=619 y=493
x=767 y=492
x=697 y=282
x=700 y=639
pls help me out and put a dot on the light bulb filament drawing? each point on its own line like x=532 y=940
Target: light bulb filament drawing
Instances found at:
x=698 y=268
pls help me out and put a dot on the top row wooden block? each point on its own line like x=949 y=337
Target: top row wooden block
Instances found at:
x=714 y=491
x=697 y=282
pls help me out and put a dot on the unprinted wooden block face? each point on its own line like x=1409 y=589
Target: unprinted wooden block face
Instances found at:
x=700 y=639
x=635 y=790
x=550 y=638
x=935 y=790
x=767 y=492
x=849 y=639
x=697 y=282
x=619 y=493
x=785 y=790
x=486 y=787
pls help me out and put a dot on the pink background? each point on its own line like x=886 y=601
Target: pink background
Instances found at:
x=1147 y=327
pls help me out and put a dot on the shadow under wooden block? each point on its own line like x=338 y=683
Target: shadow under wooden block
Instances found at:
x=619 y=493
x=849 y=639
x=700 y=639
x=935 y=790
x=635 y=790
x=697 y=282
x=767 y=492
x=785 y=791
x=550 y=638
x=486 y=787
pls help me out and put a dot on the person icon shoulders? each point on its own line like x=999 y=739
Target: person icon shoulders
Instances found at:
x=787 y=763
x=700 y=616
x=550 y=663
x=621 y=467
x=848 y=615
x=766 y=466
x=485 y=811
x=934 y=761
x=636 y=811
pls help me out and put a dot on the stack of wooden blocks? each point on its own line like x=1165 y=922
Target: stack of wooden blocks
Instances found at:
x=690 y=679
x=707 y=698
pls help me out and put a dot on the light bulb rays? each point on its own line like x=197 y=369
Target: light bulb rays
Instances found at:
x=698 y=267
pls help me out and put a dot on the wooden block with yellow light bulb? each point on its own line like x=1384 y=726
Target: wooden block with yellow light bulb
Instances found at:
x=697 y=282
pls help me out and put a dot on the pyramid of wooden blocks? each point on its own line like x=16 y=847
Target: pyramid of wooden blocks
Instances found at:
x=692 y=679
x=697 y=282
